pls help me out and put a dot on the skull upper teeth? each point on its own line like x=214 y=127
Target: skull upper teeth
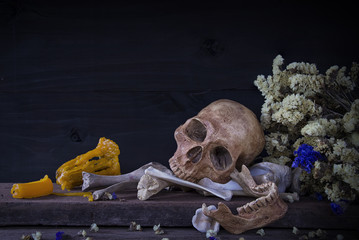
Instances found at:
x=180 y=174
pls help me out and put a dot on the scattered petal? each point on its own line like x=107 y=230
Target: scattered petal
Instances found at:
x=319 y=196
x=261 y=232
x=82 y=233
x=114 y=196
x=59 y=235
x=94 y=227
x=295 y=230
x=157 y=229
x=211 y=233
x=304 y=237
x=138 y=227
x=336 y=208
x=36 y=236
x=26 y=237
x=311 y=234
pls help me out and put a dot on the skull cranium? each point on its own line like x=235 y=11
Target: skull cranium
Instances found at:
x=223 y=136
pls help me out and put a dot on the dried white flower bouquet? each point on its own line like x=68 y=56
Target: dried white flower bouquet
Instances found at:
x=311 y=120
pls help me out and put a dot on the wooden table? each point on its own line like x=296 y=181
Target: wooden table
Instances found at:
x=173 y=210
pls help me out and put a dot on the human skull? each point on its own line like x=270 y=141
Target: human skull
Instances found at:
x=223 y=136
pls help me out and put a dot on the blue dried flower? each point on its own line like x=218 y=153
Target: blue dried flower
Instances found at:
x=59 y=235
x=336 y=208
x=319 y=196
x=114 y=196
x=306 y=157
x=212 y=238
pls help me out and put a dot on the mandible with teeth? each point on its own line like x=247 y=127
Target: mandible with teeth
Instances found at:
x=223 y=136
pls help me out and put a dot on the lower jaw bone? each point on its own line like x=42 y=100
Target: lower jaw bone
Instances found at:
x=255 y=214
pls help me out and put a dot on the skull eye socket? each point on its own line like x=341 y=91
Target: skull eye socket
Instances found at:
x=196 y=130
x=220 y=157
x=195 y=154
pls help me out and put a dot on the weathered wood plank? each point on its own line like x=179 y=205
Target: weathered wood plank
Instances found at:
x=171 y=209
x=115 y=233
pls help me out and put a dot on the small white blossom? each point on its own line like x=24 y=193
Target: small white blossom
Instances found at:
x=261 y=232
x=94 y=227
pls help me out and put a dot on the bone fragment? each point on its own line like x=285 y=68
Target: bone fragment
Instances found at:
x=149 y=186
x=221 y=193
x=255 y=214
x=246 y=181
x=203 y=223
x=93 y=181
x=270 y=172
x=231 y=186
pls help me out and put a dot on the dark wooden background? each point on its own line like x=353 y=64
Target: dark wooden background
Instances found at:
x=133 y=71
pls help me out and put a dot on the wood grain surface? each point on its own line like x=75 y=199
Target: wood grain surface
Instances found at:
x=116 y=233
x=170 y=208
x=74 y=71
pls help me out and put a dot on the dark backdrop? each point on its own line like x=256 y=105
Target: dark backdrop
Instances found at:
x=74 y=71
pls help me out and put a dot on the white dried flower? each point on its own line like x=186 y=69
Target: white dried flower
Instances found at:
x=354 y=138
x=82 y=233
x=348 y=173
x=311 y=234
x=261 y=232
x=293 y=109
x=282 y=160
x=277 y=62
x=276 y=141
x=321 y=233
x=211 y=233
x=344 y=81
x=302 y=67
x=313 y=129
x=315 y=109
x=157 y=229
x=295 y=231
x=304 y=237
x=94 y=227
x=351 y=118
x=138 y=227
x=37 y=235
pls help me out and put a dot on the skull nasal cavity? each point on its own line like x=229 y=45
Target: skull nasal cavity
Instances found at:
x=196 y=131
x=194 y=154
x=220 y=158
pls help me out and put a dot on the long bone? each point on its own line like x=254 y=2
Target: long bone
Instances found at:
x=238 y=191
x=156 y=185
x=93 y=181
x=150 y=185
x=224 y=194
